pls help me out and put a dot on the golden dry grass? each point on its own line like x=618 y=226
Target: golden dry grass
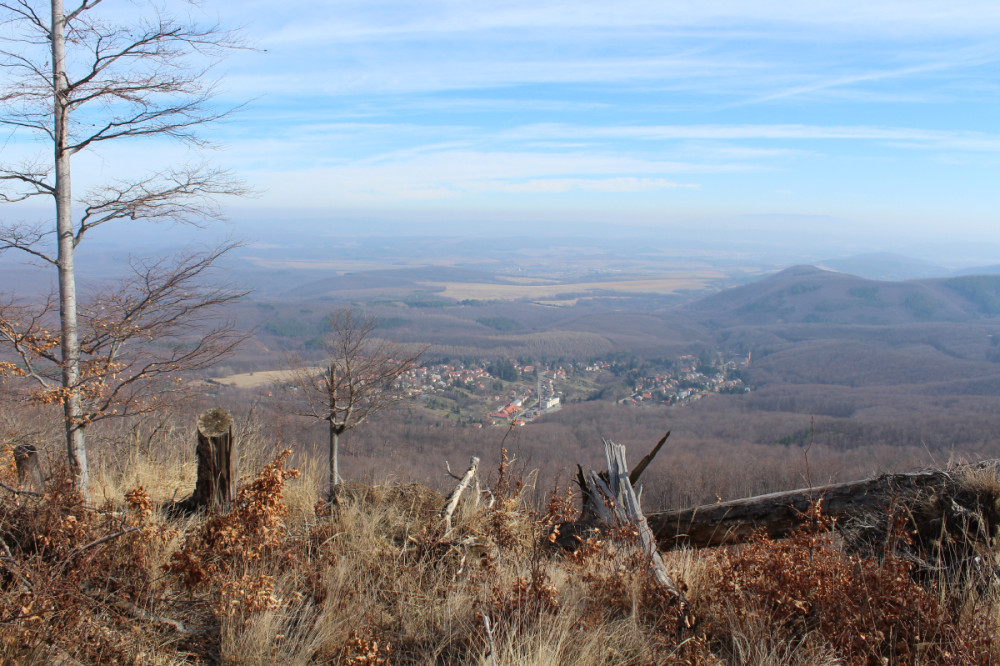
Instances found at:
x=255 y=379
x=378 y=581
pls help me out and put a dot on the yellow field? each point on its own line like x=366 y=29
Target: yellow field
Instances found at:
x=527 y=280
x=564 y=303
x=247 y=380
x=510 y=292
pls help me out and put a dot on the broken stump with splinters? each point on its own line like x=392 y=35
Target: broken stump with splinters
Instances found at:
x=29 y=471
x=610 y=501
x=217 y=475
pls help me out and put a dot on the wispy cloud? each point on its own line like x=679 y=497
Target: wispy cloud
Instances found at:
x=958 y=140
x=366 y=22
x=551 y=185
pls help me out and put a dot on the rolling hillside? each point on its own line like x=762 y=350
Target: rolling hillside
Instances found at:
x=810 y=295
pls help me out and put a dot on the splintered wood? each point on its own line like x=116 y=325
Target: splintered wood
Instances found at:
x=614 y=502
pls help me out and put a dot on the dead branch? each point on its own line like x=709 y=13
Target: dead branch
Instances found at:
x=633 y=477
x=29 y=493
x=79 y=550
x=489 y=638
x=448 y=471
x=452 y=502
x=149 y=616
x=12 y=566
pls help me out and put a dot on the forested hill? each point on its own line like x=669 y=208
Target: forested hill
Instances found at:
x=806 y=294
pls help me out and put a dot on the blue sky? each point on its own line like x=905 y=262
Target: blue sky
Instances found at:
x=877 y=117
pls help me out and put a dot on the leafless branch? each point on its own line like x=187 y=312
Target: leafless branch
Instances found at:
x=26 y=238
x=30 y=177
x=181 y=196
x=11 y=564
x=136 y=337
x=21 y=9
x=142 y=75
x=160 y=322
x=73 y=554
x=358 y=381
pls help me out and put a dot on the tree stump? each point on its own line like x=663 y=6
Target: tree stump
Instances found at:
x=29 y=471
x=216 y=485
x=612 y=500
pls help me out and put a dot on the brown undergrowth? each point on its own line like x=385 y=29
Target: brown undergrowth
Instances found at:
x=871 y=611
x=378 y=580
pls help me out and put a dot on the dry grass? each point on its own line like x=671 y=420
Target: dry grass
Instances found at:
x=378 y=581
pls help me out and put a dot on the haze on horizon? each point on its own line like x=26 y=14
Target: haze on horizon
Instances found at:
x=847 y=125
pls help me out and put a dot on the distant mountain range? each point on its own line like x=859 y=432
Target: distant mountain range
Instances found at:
x=889 y=266
x=885 y=266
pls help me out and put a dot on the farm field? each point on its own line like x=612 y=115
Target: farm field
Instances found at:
x=510 y=292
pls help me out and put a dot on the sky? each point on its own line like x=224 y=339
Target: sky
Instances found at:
x=878 y=118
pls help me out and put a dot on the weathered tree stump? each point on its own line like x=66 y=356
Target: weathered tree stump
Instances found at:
x=621 y=506
x=217 y=475
x=610 y=501
x=29 y=470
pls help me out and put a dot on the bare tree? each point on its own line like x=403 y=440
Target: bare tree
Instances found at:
x=134 y=337
x=359 y=379
x=76 y=79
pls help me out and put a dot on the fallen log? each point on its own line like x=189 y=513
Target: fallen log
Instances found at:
x=930 y=497
x=950 y=514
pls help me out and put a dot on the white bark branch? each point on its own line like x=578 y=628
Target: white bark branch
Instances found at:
x=452 y=502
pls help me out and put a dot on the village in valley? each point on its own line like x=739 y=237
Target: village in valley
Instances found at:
x=481 y=393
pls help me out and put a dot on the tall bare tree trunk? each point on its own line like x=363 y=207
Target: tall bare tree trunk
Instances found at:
x=334 y=463
x=75 y=444
x=335 y=429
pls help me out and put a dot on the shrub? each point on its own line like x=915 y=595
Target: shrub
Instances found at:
x=871 y=612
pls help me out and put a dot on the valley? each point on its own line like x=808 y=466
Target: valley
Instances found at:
x=849 y=376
